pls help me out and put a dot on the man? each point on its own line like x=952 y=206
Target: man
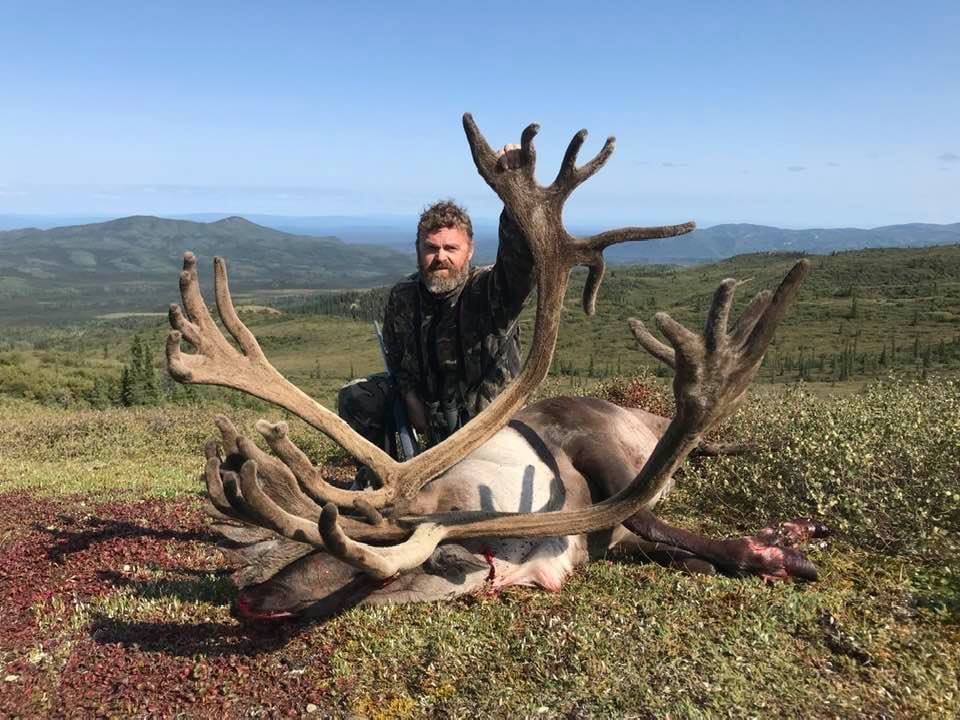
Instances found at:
x=450 y=331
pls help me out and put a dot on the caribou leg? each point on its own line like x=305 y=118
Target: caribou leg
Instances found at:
x=633 y=546
x=760 y=554
x=611 y=466
x=769 y=554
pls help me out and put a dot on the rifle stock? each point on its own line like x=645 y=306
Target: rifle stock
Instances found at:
x=399 y=421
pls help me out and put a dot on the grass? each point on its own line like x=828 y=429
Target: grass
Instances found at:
x=121 y=452
x=138 y=625
x=117 y=605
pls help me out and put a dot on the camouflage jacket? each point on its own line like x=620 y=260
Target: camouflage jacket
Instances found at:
x=460 y=350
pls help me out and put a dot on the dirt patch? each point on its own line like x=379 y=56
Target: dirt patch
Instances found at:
x=120 y=608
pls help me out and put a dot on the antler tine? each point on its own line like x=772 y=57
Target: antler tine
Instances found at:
x=483 y=156
x=176 y=365
x=663 y=353
x=715 y=329
x=586 y=171
x=591 y=252
x=231 y=490
x=591 y=288
x=685 y=342
x=756 y=343
x=380 y=563
x=605 y=239
x=568 y=166
x=190 y=293
x=180 y=322
x=277 y=437
x=228 y=432
x=228 y=313
x=526 y=147
x=369 y=512
x=272 y=515
x=279 y=483
x=570 y=177
x=215 y=491
x=748 y=319
x=211 y=450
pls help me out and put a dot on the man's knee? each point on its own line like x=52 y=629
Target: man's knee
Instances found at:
x=363 y=404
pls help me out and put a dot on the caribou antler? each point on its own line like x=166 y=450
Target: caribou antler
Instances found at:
x=538 y=211
x=712 y=373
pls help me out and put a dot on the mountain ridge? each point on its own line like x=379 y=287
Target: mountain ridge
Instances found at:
x=131 y=263
x=730 y=239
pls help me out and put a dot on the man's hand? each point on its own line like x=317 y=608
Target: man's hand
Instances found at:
x=416 y=412
x=510 y=158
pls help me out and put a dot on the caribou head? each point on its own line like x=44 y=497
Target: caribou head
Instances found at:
x=519 y=495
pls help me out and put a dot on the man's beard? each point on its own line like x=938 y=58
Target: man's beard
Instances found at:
x=442 y=284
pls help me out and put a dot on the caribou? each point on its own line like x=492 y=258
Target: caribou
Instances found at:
x=522 y=494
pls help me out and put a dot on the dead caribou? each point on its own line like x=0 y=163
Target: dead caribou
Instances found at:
x=518 y=496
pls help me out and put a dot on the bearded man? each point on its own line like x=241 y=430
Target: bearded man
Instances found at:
x=450 y=331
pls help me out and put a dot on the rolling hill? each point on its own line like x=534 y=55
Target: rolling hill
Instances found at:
x=131 y=264
x=724 y=241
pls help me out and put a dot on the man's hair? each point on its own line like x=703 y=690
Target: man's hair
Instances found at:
x=443 y=214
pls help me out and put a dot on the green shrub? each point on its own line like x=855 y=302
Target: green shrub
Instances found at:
x=881 y=466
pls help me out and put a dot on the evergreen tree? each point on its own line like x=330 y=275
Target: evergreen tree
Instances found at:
x=103 y=394
x=138 y=382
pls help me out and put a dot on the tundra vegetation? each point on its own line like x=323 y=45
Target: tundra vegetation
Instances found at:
x=860 y=316
x=113 y=602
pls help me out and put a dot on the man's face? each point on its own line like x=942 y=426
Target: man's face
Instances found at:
x=444 y=259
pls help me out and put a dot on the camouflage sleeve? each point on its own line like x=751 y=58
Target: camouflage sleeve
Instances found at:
x=397 y=329
x=512 y=277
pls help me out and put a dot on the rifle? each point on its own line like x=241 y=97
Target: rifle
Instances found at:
x=398 y=423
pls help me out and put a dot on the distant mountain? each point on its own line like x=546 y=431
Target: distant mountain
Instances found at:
x=704 y=245
x=132 y=263
x=723 y=241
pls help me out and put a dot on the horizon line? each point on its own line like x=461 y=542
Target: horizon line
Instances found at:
x=97 y=218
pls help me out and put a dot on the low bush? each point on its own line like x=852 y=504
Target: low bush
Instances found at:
x=880 y=466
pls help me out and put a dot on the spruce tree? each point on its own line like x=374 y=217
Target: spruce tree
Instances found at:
x=138 y=382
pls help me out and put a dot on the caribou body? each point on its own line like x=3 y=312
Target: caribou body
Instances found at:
x=520 y=495
x=558 y=454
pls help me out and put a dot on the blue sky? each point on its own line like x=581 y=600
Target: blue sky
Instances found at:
x=797 y=114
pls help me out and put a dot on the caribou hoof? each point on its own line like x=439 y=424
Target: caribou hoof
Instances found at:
x=763 y=555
